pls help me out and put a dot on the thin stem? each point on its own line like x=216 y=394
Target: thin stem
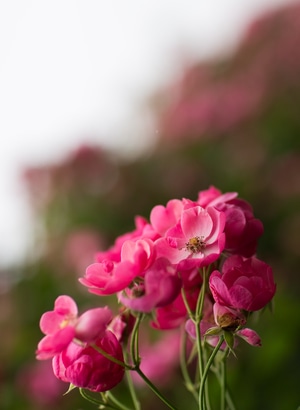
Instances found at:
x=219 y=376
x=98 y=403
x=111 y=358
x=134 y=398
x=184 y=369
x=207 y=400
x=114 y=400
x=200 y=301
x=186 y=303
x=154 y=389
x=223 y=383
x=229 y=401
x=134 y=342
x=205 y=373
x=197 y=320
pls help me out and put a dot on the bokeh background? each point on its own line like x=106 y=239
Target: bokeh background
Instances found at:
x=209 y=115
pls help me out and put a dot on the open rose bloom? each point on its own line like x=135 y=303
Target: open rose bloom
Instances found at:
x=191 y=268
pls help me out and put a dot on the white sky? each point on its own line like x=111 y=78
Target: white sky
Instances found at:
x=72 y=69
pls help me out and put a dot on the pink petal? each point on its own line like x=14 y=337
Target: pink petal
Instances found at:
x=250 y=336
x=218 y=220
x=218 y=289
x=50 y=322
x=196 y=222
x=54 y=344
x=65 y=305
x=93 y=323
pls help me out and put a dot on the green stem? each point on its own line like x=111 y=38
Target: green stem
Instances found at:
x=134 y=342
x=197 y=320
x=154 y=389
x=207 y=399
x=134 y=398
x=223 y=383
x=95 y=401
x=110 y=357
x=184 y=368
x=205 y=373
x=114 y=400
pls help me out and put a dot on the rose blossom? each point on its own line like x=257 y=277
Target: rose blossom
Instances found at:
x=196 y=240
x=62 y=325
x=108 y=277
x=243 y=284
x=87 y=368
x=242 y=229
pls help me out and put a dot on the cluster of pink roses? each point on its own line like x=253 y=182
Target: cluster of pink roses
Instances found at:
x=159 y=268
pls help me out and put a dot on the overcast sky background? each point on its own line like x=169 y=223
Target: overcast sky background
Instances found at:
x=75 y=71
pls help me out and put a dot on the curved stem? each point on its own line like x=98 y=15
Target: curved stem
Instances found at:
x=134 y=342
x=223 y=384
x=133 y=395
x=114 y=400
x=197 y=320
x=154 y=389
x=184 y=369
x=95 y=401
x=111 y=358
x=205 y=373
x=207 y=398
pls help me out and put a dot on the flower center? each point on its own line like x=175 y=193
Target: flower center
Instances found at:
x=195 y=244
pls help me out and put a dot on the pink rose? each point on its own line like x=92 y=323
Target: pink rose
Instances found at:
x=196 y=240
x=246 y=284
x=242 y=230
x=85 y=367
x=62 y=325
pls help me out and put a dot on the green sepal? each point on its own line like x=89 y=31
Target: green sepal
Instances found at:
x=71 y=387
x=213 y=331
x=229 y=339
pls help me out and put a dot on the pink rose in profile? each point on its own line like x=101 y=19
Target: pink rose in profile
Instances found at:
x=160 y=286
x=62 y=325
x=85 y=367
x=242 y=229
x=107 y=277
x=246 y=284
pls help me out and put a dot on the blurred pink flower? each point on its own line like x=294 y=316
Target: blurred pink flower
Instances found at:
x=175 y=313
x=38 y=383
x=80 y=249
x=159 y=359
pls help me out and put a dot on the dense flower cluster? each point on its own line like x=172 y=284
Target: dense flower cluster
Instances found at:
x=188 y=250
